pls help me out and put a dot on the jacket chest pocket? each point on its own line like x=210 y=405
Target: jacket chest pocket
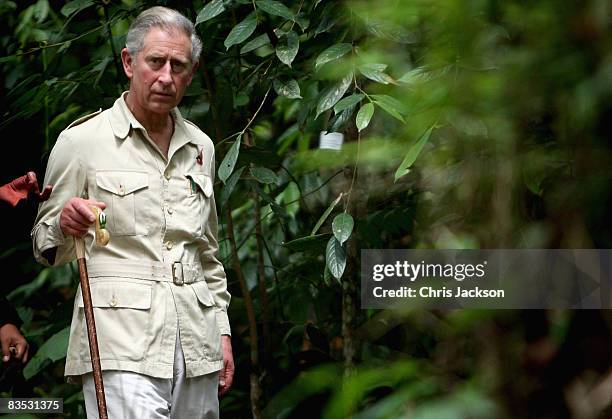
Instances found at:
x=122 y=192
x=198 y=201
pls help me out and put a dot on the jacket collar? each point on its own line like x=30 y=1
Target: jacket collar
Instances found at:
x=122 y=121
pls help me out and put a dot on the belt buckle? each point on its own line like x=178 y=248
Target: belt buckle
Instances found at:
x=177 y=273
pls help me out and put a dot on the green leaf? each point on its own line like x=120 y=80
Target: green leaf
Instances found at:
x=342 y=227
x=290 y=89
x=287 y=51
x=390 y=31
x=229 y=161
x=330 y=18
x=54 y=349
x=332 y=53
x=332 y=95
x=264 y=175
x=348 y=101
x=241 y=99
x=335 y=257
x=275 y=8
x=339 y=121
x=75 y=6
x=376 y=73
x=326 y=214
x=392 y=106
x=255 y=43
x=241 y=31
x=307 y=243
x=413 y=153
x=212 y=9
x=229 y=186
x=362 y=120
x=417 y=75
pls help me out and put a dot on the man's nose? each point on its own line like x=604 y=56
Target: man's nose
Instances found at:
x=165 y=73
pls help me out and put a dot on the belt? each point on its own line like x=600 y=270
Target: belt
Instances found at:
x=177 y=272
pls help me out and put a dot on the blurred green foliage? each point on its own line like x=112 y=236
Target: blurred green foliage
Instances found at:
x=467 y=124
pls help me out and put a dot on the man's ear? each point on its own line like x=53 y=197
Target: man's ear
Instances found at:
x=128 y=62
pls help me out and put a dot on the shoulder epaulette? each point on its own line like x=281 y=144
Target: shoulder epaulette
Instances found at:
x=84 y=118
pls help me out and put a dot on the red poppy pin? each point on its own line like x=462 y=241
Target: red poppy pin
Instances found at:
x=199 y=157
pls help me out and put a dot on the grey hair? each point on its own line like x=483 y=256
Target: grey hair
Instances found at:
x=164 y=18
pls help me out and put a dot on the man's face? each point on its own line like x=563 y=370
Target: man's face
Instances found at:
x=160 y=72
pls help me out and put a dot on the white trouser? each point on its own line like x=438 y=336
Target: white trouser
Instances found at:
x=130 y=395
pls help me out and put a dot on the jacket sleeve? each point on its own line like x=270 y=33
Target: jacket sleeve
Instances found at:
x=66 y=173
x=8 y=313
x=213 y=269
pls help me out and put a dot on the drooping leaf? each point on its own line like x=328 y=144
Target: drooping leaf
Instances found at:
x=332 y=53
x=342 y=227
x=325 y=215
x=287 y=50
x=241 y=31
x=275 y=8
x=255 y=43
x=290 y=89
x=413 y=153
x=229 y=161
x=277 y=209
x=210 y=10
x=75 y=6
x=335 y=257
x=330 y=17
x=229 y=186
x=348 y=102
x=264 y=175
x=362 y=120
x=375 y=72
x=307 y=243
x=392 y=106
x=53 y=349
x=339 y=121
x=332 y=95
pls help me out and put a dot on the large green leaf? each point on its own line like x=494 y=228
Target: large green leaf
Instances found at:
x=332 y=95
x=413 y=153
x=342 y=227
x=362 y=120
x=332 y=53
x=212 y=9
x=229 y=186
x=53 y=349
x=264 y=175
x=241 y=31
x=275 y=8
x=348 y=101
x=287 y=50
x=325 y=215
x=376 y=72
x=335 y=257
x=290 y=89
x=392 y=106
x=229 y=161
x=255 y=43
x=75 y=6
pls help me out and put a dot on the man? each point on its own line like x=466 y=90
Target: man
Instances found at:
x=158 y=290
x=14 y=346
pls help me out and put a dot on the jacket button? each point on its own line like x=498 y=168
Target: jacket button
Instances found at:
x=170 y=210
x=169 y=244
x=114 y=302
x=167 y=176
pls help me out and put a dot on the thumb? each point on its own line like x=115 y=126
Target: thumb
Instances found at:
x=5 y=350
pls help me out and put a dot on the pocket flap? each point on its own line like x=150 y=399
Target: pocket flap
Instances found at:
x=203 y=293
x=121 y=182
x=203 y=181
x=115 y=294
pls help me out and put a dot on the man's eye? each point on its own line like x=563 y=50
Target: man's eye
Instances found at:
x=178 y=67
x=156 y=62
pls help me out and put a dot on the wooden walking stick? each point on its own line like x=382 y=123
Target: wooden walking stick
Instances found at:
x=102 y=238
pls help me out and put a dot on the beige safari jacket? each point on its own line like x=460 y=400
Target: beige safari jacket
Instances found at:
x=160 y=270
